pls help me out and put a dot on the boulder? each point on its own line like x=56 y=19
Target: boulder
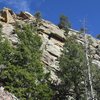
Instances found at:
x=7 y=15
x=72 y=32
x=7 y=31
x=52 y=30
x=97 y=57
x=94 y=41
x=49 y=59
x=26 y=15
x=92 y=50
x=97 y=63
x=53 y=49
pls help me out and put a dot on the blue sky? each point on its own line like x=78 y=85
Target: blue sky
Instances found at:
x=76 y=10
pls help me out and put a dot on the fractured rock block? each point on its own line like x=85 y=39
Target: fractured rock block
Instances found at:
x=7 y=15
x=25 y=15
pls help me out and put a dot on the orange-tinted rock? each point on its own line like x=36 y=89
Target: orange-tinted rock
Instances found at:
x=7 y=15
x=25 y=15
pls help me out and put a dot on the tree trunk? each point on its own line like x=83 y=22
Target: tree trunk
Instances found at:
x=89 y=69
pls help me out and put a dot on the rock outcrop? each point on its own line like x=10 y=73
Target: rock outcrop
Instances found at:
x=25 y=15
x=7 y=15
x=53 y=39
x=4 y=95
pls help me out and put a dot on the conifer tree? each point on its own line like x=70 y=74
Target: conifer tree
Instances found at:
x=64 y=23
x=38 y=17
x=96 y=80
x=98 y=36
x=71 y=71
x=24 y=75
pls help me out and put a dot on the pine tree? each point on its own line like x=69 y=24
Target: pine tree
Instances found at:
x=24 y=75
x=98 y=36
x=71 y=71
x=64 y=23
x=96 y=80
x=38 y=17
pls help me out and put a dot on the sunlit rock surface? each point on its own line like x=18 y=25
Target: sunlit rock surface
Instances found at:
x=52 y=37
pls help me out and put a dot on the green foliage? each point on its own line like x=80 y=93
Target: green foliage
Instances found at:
x=24 y=74
x=96 y=80
x=81 y=31
x=38 y=17
x=71 y=71
x=0 y=26
x=64 y=23
x=98 y=36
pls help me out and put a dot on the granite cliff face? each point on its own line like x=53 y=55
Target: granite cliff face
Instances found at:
x=53 y=39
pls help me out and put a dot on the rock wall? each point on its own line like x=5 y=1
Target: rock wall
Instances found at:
x=53 y=39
